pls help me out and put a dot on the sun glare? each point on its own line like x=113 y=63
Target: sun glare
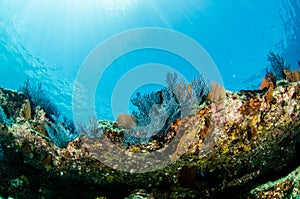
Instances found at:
x=115 y=6
x=112 y=7
x=111 y=4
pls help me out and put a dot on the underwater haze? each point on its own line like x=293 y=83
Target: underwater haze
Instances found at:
x=49 y=41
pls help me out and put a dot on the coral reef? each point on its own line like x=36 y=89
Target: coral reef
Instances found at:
x=60 y=132
x=222 y=149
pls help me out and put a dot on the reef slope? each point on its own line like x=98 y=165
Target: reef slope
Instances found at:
x=225 y=148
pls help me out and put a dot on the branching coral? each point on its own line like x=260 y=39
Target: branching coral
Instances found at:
x=278 y=70
x=144 y=104
x=37 y=97
x=217 y=93
x=268 y=81
x=184 y=97
x=189 y=95
x=4 y=119
x=277 y=65
x=161 y=117
x=59 y=134
x=158 y=110
x=93 y=128
x=291 y=76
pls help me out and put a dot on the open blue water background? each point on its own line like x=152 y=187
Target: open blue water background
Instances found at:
x=47 y=41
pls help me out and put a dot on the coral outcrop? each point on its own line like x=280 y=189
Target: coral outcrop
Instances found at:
x=223 y=149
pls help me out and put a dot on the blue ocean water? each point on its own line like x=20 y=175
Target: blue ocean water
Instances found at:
x=48 y=41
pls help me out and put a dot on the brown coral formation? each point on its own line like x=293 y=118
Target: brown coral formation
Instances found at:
x=217 y=93
x=268 y=81
x=126 y=121
x=27 y=110
x=269 y=84
x=221 y=150
x=265 y=83
x=292 y=76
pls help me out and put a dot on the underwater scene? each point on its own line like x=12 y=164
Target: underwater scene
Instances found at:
x=148 y=99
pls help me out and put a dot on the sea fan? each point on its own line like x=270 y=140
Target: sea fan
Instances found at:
x=59 y=134
x=93 y=128
x=277 y=65
x=38 y=97
x=4 y=119
x=158 y=110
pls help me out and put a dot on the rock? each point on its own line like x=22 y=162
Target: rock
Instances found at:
x=285 y=187
x=12 y=102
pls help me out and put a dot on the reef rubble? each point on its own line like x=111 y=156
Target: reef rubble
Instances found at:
x=231 y=147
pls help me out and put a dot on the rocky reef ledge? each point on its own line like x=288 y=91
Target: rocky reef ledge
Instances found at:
x=257 y=142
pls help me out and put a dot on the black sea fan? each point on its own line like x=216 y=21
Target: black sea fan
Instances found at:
x=60 y=134
x=277 y=65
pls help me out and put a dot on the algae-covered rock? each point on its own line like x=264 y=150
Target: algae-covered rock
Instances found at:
x=223 y=149
x=14 y=104
x=285 y=187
